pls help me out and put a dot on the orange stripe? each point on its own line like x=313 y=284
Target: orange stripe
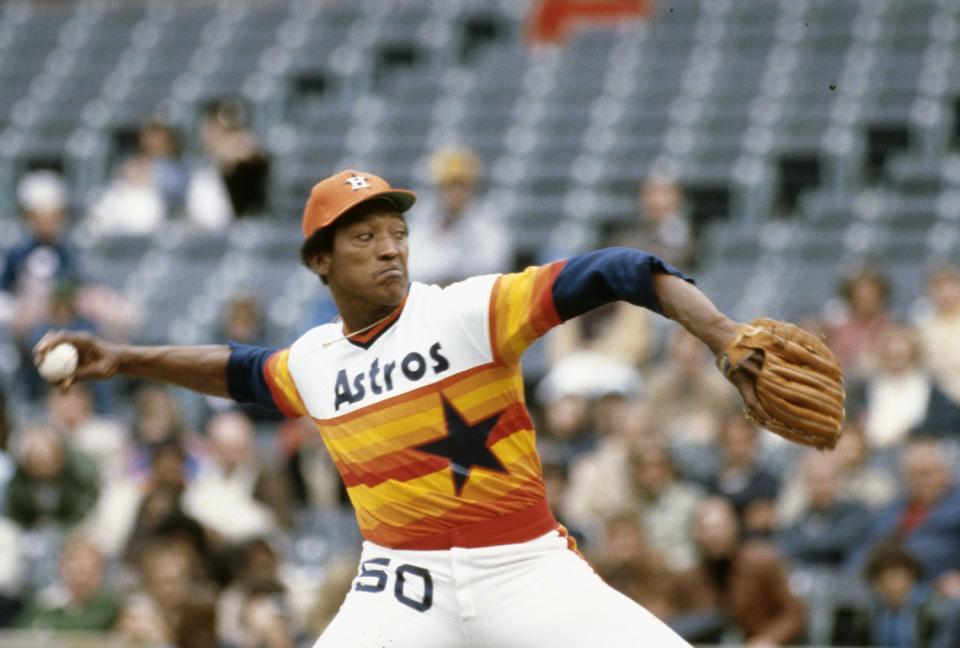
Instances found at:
x=276 y=374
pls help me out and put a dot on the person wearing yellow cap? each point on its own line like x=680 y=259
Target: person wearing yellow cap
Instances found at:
x=418 y=395
x=458 y=231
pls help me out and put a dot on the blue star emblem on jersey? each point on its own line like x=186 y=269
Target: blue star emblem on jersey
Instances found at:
x=465 y=445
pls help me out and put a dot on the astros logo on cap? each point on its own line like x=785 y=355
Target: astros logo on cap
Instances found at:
x=358 y=182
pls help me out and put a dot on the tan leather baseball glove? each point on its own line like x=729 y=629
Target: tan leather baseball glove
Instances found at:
x=799 y=384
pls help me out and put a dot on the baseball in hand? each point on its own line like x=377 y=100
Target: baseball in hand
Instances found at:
x=59 y=363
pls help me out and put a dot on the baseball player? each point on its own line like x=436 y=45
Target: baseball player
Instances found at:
x=418 y=396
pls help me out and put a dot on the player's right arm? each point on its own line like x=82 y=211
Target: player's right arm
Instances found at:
x=243 y=373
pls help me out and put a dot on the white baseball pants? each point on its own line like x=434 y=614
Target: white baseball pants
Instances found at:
x=527 y=595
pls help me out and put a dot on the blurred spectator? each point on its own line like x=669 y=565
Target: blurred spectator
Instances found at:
x=568 y=430
x=237 y=481
x=589 y=498
x=898 y=389
x=33 y=266
x=588 y=376
x=233 y=183
x=737 y=588
x=629 y=563
x=855 y=325
x=688 y=396
x=751 y=489
x=130 y=203
x=52 y=482
x=940 y=330
x=79 y=601
x=666 y=504
x=457 y=233
x=862 y=481
x=927 y=517
x=130 y=510
x=171 y=608
x=158 y=420
x=254 y=611
x=102 y=439
x=243 y=321
x=159 y=146
x=663 y=228
x=830 y=528
x=11 y=571
x=617 y=331
x=902 y=613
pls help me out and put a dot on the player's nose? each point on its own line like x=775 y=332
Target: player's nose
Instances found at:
x=388 y=247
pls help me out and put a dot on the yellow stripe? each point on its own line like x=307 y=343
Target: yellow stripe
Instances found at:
x=432 y=495
x=283 y=380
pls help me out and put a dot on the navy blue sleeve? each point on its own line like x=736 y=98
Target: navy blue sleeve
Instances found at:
x=612 y=274
x=246 y=382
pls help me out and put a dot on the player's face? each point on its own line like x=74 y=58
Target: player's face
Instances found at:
x=369 y=259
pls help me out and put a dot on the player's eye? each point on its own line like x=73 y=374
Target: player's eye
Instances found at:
x=364 y=237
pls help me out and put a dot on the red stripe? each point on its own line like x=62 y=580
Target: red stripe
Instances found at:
x=372 y=473
x=508 y=528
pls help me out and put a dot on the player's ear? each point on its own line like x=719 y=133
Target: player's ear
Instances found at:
x=320 y=264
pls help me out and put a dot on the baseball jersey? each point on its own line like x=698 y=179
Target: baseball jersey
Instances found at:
x=424 y=415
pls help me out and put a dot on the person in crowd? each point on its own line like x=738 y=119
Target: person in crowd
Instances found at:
x=458 y=232
x=688 y=399
x=589 y=500
x=940 y=330
x=130 y=203
x=101 y=438
x=662 y=227
x=53 y=483
x=158 y=419
x=737 y=588
x=237 y=481
x=865 y=480
x=34 y=265
x=243 y=321
x=855 y=324
x=741 y=478
x=898 y=389
x=171 y=607
x=568 y=426
x=254 y=610
x=830 y=528
x=629 y=563
x=926 y=518
x=80 y=600
x=666 y=504
x=902 y=611
x=233 y=182
x=159 y=145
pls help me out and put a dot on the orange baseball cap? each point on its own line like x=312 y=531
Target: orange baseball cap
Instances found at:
x=332 y=198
